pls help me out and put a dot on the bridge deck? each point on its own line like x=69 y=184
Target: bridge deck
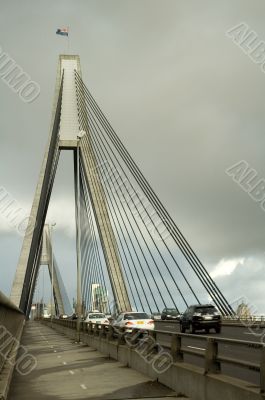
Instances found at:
x=68 y=370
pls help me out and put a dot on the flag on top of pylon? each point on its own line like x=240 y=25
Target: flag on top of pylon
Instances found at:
x=62 y=31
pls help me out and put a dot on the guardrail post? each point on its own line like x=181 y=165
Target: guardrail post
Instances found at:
x=176 y=352
x=110 y=335
x=211 y=363
x=102 y=332
x=90 y=328
x=262 y=370
x=121 y=339
x=96 y=330
x=152 y=334
x=134 y=337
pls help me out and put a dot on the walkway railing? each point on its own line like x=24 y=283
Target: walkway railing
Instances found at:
x=172 y=343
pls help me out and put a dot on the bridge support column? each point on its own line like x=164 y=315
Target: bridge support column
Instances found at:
x=107 y=237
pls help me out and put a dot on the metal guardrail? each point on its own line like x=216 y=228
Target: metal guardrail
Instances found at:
x=228 y=321
x=247 y=321
x=212 y=357
x=258 y=318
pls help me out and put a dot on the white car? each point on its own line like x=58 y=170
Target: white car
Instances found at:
x=97 y=318
x=133 y=320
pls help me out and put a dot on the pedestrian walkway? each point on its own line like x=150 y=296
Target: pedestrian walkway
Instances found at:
x=69 y=370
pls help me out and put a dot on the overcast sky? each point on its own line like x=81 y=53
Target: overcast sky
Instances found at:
x=186 y=101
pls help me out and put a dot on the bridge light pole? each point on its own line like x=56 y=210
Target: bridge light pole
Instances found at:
x=52 y=275
x=78 y=238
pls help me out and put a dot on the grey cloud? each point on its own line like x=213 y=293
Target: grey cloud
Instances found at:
x=184 y=99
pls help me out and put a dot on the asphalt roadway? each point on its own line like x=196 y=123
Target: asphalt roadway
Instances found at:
x=197 y=342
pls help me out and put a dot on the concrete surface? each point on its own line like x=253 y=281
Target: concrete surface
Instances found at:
x=67 y=370
x=11 y=328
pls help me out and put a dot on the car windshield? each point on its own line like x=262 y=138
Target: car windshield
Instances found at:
x=136 y=316
x=205 y=310
x=172 y=311
x=96 y=316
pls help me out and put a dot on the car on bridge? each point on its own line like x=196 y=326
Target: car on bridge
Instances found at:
x=97 y=318
x=200 y=316
x=170 y=313
x=133 y=320
x=156 y=315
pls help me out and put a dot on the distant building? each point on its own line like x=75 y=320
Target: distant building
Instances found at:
x=50 y=309
x=99 y=298
x=37 y=310
x=243 y=311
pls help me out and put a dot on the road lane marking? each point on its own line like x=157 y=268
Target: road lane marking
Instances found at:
x=197 y=348
x=83 y=386
x=71 y=372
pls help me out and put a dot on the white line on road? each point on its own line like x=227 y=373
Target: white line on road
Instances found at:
x=249 y=333
x=71 y=372
x=197 y=348
x=83 y=386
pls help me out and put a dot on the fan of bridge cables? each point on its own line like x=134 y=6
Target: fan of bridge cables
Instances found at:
x=159 y=266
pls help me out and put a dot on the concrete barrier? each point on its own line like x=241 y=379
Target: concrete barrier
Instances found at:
x=190 y=380
x=11 y=328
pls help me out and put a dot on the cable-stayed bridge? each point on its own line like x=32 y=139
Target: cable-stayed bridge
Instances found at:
x=126 y=243
x=126 y=240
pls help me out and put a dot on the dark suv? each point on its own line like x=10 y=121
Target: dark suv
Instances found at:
x=201 y=316
x=170 y=313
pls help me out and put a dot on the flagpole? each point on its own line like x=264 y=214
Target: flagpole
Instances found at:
x=68 y=40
